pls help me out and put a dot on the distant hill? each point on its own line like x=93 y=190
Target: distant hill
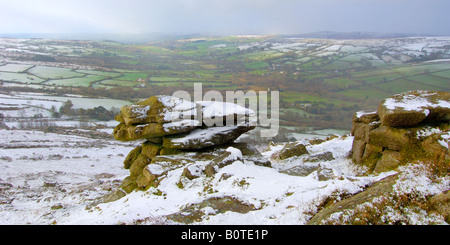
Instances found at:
x=356 y=35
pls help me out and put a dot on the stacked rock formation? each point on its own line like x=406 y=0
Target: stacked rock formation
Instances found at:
x=405 y=127
x=178 y=133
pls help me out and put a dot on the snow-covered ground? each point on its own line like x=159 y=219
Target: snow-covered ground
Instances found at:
x=48 y=178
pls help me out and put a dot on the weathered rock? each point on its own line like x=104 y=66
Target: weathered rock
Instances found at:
x=150 y=149
x=194 y=213
x=174 y=160
x=388 y=161
x=292 y=149
x=132 y=155
x=114 y=196
x=56 y=206
x=205 y=137
x=324 y=173
x=250 y=153
x=169 y=151
x=169 y=127
x=138 y=165
x=380 y=188
x=392 y=138
x=156 y=140
x=210 y=170
x=400 y=117
x=358 y=149
x=187 y=173
x=411 y=108
x=361 y=130
x=303 y=169
x=402 y=133
x=126 y=132
x=230 y=155
x=371 y=150
x=365 y=117
x=157 y=109
x=441 y=203
x=146 y=179
x=128 y=184
x=323 y=157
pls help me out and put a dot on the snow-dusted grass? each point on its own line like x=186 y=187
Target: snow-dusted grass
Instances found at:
x=23 y=98
x=15 y=67
x=406 y=205
x=40 y=170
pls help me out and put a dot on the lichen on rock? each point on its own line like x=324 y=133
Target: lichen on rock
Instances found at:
x=175 y=136
x=406 y=127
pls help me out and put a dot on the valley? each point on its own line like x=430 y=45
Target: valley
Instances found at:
x=321 y=81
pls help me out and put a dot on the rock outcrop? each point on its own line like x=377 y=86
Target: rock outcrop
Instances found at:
x=411 y=128
x=407 y=126
x=198 y=137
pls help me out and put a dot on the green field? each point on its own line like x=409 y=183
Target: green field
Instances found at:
x=118 y=83
x=402 y=85
x=256 y=65
x=100 y=73
x=342 y=83
x=164 y=79
x=445 y=74
x=365 y=92
x=432 y=80
x=133 y=76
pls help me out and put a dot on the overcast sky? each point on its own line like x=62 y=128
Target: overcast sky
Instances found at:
x=224 y=16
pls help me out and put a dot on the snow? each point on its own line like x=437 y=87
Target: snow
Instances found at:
x=139 y=111
x=236 y=154
x=46 y=169
x=417 y=179
x=47 y=101
x=176 y=104
x=427 y=131
x=176 y=108
x=410 y=102
x=203 y=135
x=180 y=124
x=359 y=114
x=220 y=109
x=445 y=142
x=34 y=178
x=335 y=47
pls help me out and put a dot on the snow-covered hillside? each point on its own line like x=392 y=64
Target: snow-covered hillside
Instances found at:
x=48 y=178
